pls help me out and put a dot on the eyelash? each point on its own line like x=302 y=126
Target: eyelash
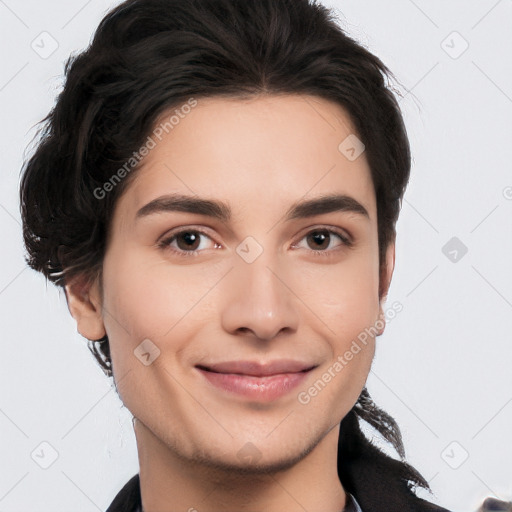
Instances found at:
x=165 y=243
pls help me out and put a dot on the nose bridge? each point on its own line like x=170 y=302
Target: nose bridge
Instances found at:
x=258 y=299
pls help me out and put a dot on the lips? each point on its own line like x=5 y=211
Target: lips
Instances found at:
x=256 y=381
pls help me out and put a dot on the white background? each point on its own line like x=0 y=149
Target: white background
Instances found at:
x=443 y=366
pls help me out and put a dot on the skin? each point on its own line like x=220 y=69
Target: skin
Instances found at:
x=259 y=156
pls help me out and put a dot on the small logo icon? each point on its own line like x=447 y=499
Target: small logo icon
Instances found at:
x=45 y=45
x=249 y=453
x=146 y=352
x=454 y=249
x=454 y=45
x=44 y=455
x=454 y=455
x=351 y=147
x=249 y=249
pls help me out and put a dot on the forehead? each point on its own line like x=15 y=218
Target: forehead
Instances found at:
x=258 y=152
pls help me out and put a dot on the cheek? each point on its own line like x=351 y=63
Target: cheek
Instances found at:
x=144 y=299
x=345 y=294
x=346 y=307
x=344 y=300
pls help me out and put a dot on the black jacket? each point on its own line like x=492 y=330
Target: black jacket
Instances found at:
x=129 y=500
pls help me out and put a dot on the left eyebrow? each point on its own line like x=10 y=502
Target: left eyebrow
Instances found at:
x=222 y=211
x=326 y=204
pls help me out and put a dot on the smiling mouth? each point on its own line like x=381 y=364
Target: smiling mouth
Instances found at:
x=254 y=381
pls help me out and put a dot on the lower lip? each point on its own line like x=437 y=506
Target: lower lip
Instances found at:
x=265 y=388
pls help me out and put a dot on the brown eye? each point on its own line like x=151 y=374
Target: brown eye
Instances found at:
x=320 y=239
x=188 y=240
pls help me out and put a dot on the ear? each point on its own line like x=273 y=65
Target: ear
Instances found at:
x=84 y=303
x=386 y=273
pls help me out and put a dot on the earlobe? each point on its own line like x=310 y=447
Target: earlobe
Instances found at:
x=84 y=304
x=385 y=282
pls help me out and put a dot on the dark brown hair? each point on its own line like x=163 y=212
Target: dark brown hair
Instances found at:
x=148 y=56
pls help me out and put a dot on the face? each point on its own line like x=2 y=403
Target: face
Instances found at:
x=232 y=324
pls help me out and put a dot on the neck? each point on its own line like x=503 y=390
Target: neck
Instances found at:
x=169 y=482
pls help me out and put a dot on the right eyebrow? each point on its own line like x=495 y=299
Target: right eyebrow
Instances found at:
x=188 y=204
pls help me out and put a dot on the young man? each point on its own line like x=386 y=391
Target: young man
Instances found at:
x=217 y=191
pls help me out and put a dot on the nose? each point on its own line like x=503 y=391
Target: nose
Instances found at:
x=258 y=300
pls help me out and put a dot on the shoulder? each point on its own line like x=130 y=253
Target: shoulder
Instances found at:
x=128 y=498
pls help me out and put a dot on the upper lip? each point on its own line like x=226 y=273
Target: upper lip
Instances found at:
x=258 y=369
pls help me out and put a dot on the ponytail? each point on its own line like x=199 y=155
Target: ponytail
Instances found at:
x=376 y=480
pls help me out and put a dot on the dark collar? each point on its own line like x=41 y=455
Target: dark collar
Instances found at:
x=128 y=499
